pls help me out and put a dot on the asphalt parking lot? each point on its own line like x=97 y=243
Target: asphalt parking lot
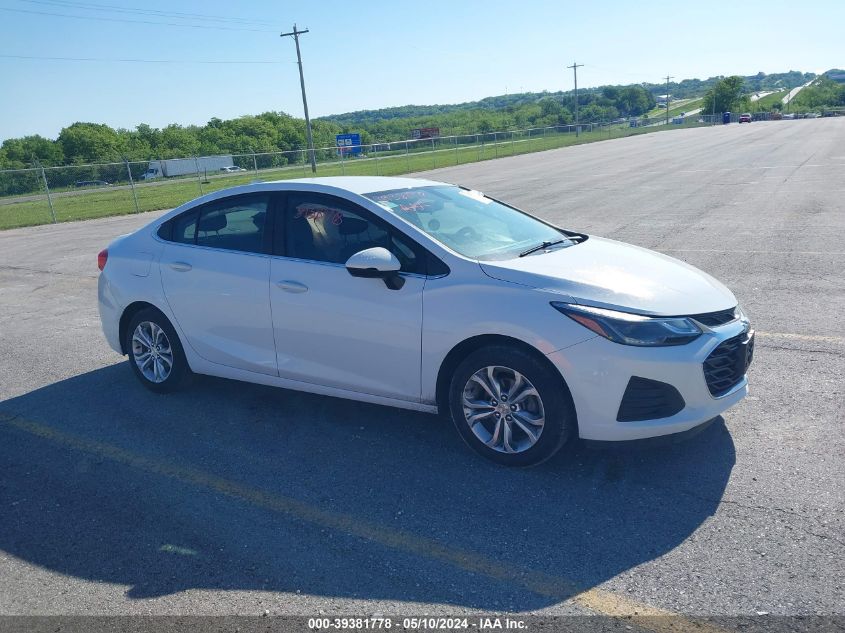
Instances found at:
x=239 y=499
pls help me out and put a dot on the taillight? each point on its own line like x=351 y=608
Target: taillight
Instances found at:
x=102 y=258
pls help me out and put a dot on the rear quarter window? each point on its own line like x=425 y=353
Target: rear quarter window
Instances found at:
x=184 y=229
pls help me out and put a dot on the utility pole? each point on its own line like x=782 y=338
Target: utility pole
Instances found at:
x=308 y=136
x=38 y=164
x=667 y=98
x=715 y=90
x=713 y=122
x=575 y=66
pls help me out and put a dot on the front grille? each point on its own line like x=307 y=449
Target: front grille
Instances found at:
x=714 y=319
x=646 y=399
x=727 y=364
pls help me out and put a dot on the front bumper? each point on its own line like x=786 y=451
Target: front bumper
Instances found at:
x=597 y=372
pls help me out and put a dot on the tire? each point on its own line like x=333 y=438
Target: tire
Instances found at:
x=150 y=324
x=552 y=403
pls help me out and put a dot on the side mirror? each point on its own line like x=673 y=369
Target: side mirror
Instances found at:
x=379 y=263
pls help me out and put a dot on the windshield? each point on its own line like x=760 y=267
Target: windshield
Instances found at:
x=468 y=222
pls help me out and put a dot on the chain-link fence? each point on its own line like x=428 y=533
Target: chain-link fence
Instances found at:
x=41 y=194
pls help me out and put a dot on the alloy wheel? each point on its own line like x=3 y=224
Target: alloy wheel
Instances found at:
x=151 y=352
x=503 y=409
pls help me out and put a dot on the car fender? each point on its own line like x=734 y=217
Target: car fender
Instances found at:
x=462 y=306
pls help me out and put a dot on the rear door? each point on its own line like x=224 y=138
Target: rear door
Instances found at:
x=215 y=272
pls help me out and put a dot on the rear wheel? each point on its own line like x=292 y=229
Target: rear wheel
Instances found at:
x=510 y=407
x=155 y=353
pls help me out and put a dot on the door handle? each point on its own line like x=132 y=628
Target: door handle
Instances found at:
x=182 y=267
x=292 y=286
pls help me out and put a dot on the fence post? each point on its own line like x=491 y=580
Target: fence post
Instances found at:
x=433 y=153
x=513 y=147
x=342 y=161
x=407 y=157
x=254 y=162
x=47 y=189
x=304 y=160
x=197 y=166
x=456 y=148
x=131 y=184
x=496 y=143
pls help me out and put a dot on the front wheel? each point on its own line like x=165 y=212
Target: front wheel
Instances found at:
x=155 y=353
x=510 y=407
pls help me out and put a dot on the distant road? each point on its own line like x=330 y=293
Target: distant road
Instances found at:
x=791 y=94
x=759 y=95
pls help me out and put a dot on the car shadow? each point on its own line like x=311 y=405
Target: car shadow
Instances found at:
x=233 y=486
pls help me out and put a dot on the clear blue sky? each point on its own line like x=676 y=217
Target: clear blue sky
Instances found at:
x=376 y=53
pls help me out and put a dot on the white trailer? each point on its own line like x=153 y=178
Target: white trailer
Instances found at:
x=186 y=166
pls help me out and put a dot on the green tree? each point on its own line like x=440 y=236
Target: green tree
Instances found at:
x=17 y=153
x=176 y=141
x=727 y=94
x=634 y=101
x=823 y=93
x=89 y=142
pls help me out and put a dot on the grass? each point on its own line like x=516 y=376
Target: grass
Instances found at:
x=765 y=104
x=95 y=203
x=689 y=105
x=675 y=108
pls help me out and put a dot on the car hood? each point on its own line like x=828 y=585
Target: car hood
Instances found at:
x=605 y=273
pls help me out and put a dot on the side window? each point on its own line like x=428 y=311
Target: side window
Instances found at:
x=235 y=224
x=185 y=228
x=326 y=229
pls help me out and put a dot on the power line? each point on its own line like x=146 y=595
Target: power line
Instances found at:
x=93 y=6
x=138 y=61
x=104 y=19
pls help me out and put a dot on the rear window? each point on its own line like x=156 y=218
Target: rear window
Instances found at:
x=236 y=223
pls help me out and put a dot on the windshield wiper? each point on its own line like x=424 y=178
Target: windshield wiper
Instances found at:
x=540 y=247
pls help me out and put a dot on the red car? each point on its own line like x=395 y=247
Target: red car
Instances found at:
x=745 y=118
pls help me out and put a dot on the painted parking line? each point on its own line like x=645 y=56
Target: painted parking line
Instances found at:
x=746 y=251
x=803 y=337
x=597 y=600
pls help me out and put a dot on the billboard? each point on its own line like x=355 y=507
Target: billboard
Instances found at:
x=348 y=144
x=425 y=132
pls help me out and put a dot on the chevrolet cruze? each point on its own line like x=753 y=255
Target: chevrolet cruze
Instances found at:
x=427 y=296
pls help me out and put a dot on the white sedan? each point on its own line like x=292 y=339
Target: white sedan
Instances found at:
x=428 y=296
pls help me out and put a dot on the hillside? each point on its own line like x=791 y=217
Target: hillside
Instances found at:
x=837 y=74
x=685 y=89
x=277 y=131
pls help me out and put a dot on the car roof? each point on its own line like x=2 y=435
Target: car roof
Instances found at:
x=360 y=184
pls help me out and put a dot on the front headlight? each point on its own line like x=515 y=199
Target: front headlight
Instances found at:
x=632 y=329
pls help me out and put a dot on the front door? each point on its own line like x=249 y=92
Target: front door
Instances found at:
x=334 y=329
